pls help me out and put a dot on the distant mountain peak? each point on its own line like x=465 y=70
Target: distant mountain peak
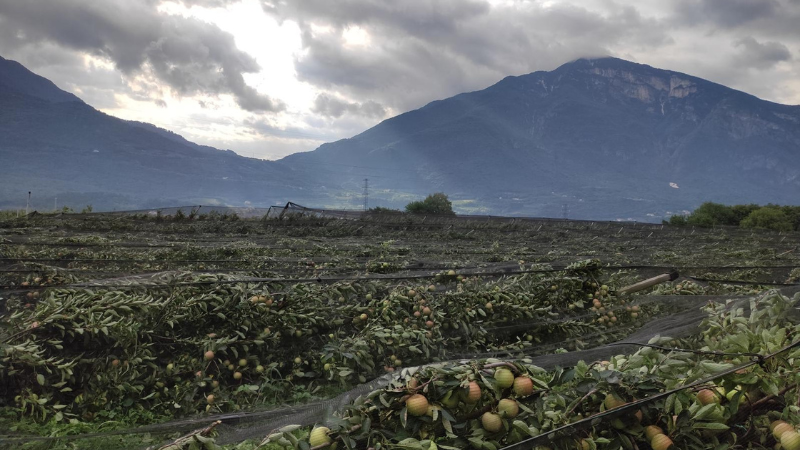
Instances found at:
x=15 y=78
x=594 y=61
x=610 y=138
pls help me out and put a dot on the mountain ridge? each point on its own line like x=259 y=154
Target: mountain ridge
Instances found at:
x=58 y=146
x=590 y=107
x=17 y=77
x=603 y=138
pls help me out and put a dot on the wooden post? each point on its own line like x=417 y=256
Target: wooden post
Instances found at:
x=642 y=285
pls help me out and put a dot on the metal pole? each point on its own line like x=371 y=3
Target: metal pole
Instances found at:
x=28 y=204
x=366 y=194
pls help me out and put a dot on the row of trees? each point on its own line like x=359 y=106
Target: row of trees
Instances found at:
x=769 y=217
x=708 y=215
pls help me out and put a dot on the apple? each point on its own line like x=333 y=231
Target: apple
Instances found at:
x=417 y=405
x=508 y=408
x=491 y=422
x=473 y=393
x=504 y=377
x=319 y=436
x=523 y=386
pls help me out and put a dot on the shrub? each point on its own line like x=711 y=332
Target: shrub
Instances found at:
x=772 y=217
x=711 y=214
x=741 y=211
x=382 y=210
x=677 y=220
x=769 y=218
x=793 y=213
x=437 y=203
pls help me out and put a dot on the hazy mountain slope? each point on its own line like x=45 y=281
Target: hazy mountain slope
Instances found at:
x=14 y=77
x=605 y=137
x=55 y=146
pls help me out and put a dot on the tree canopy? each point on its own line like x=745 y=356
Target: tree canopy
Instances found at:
x=771 y=217
x=437 y=203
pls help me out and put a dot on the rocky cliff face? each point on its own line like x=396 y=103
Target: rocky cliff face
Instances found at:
x=648 y=89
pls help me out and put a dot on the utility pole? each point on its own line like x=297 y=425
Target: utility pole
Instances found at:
x=565 y=211
x=55 y=204
x=28 y=204
x=366 y=194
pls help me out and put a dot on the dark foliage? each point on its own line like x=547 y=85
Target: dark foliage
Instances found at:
x=437 y=203
x=769 y=217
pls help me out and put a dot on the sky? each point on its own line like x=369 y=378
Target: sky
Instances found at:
x=269 y=78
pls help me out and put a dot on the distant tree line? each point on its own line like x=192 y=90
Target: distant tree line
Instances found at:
x=436 y=204
x=769 y=217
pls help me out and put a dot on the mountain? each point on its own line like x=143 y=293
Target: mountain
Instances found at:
x=596 y=138
x=55 y=145
x=14 y=77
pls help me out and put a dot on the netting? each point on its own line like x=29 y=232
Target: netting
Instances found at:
x=238 y=427
x=188 y=212
x=293 y=276
x=676 y=326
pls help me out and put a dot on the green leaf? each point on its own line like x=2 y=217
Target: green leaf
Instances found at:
x=448 y=427
x=709 y=426
x=704 y=412
x=670 y=403
x=40 y=379
x=476 y=442
x=713 y=367
x=410 y=444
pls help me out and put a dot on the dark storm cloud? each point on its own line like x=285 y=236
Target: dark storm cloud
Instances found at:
x=209 y=3
x=413 y=16
x=726 y=13
x=330 y=106
x=189 y=55
x=761 y=55
x=420 y=51
x=771 y=18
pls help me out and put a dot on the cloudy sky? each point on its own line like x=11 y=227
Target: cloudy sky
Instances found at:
x=268 y=78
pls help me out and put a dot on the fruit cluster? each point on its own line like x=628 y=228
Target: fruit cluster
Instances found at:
x=490 y=404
